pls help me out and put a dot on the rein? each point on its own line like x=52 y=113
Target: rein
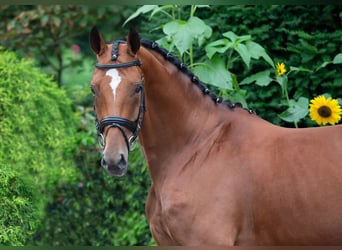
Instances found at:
x=117 y=121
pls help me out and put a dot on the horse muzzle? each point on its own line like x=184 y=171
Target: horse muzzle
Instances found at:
x=115 y=166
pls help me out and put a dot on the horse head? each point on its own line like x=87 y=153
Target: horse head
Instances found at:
x=118 y=88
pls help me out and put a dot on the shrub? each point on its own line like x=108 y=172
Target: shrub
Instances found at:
x=37 y=128
x=300 y=36
x=304 y=38
x=18 y=216
x=97 y=209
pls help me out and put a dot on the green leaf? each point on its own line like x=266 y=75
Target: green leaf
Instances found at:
x=184 y=33
x=231 y=35
x=203 y=6
x=239 y=95
x=164 y=42
x=199 y=29
x=159 y=9
x=56 y=21
x=44 y=20
x=235 y=38
x=142 y=10
x=214 y=72
x=300 y=69
x=261 y=78
x=282 y=80
x=177 y=30
x=244 y=53
x=257 y=51
x=11 y=24
x=297 y=110
x=323 y=65
x=337 y=59
x=339 y=101
x=219 y=46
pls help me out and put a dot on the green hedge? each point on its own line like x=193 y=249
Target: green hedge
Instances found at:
x=18 y=213
x=299 y=36
x=37 y=134
x=97 y=209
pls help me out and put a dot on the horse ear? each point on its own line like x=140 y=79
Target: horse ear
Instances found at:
x=133 y=41
x=96 y=41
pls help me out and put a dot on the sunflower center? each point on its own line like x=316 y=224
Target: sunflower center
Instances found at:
x=324 y=111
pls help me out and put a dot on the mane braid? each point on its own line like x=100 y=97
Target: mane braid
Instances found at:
x=194 y=79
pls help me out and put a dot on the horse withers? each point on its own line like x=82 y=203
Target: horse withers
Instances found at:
x=221 y=175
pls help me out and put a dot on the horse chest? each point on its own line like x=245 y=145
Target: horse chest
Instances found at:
x=164 y=212
x=179 y=217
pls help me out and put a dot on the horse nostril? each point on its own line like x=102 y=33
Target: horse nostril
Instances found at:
x=114 y=165
x=122 y=162
x=103 y=163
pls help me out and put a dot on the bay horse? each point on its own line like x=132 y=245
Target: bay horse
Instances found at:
x=220 y=174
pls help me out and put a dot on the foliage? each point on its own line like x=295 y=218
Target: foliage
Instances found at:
x=18 y=217
x=37 y=129
x=242 y=33
x=93 y=208
x=76 y=79
x=44 y=31
x=97 y=209
x=305 y=38
x=220 y=54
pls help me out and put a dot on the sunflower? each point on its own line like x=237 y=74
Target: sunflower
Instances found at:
x=280 y=67
x=325 y=110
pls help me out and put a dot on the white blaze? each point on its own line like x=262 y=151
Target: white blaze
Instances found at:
x=116 y=79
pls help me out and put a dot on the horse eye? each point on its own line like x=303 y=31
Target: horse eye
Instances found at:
x=137 y=88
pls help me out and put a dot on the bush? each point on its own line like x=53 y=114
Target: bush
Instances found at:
x=18 y=216
x=300 y=36
x=97 y=209
x=304 y=38
x=37 y=134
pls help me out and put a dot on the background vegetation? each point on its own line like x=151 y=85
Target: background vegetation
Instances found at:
x=52 y=189
x=37 y=134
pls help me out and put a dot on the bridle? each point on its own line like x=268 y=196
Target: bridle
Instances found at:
x=117 y=121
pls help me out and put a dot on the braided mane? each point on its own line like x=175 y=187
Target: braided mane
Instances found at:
x=152 y=45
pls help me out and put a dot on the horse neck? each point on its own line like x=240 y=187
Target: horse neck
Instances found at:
x=177 y=115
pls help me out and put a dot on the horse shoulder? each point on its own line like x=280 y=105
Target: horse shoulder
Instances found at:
x=154 y=217
x=187 y=216
x=166 y=211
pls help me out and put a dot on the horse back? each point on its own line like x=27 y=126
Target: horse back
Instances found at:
x=297 y=176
